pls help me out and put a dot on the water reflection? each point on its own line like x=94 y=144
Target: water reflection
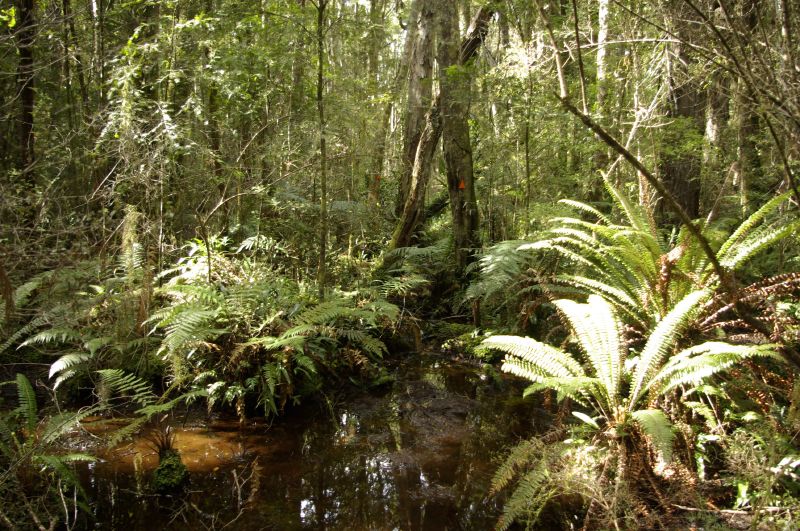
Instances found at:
x=418 y=457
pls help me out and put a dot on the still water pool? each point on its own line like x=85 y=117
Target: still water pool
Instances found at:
x=416 y=454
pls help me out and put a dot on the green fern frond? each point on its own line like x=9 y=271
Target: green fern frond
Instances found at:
x=27 y=402
x=597 y=329
x=754 y=219
x=326 y=312
x=739 y=253
x=529 y=497
x=521 y=456
x=268 y=343
x=61 y=424
x=402 y=286
x=696 y=364
x=656 y=426
x=120 y=382
x=612 y=293
x=662 y=340
x=304 y=364
x=583 y=207
x=68 y=361
x=548 y=360
x=576 y=387
x=634 y=213
x=53 y=335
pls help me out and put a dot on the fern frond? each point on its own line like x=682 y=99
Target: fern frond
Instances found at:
x=120 y=382
x=662 y=340
x=67 y=361
x=656 y=426
x=740 y=252
x=576 y=387
x=634 y=213
x=326 y=312
x=27 y=402
x=619 y=297
x=520 y=457
x=597 y=329
x=583 y=207
x=53 y=335
x=529 y=497
x=268 y=343
x=754 y=219
x=548 y=360
x=696 y=364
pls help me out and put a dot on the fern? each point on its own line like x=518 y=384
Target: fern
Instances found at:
x=654 y=424
x=27 y=402
x=550 y=361
x=596 y=329
x=697 y=364
x=662 y=340
x=120 y=382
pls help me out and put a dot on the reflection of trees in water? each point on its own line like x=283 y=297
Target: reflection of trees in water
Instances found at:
x=417 y=457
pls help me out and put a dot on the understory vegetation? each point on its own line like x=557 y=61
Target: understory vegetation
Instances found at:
x=238 y=209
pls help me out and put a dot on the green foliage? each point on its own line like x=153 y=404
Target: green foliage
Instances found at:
x=647 y=377
x=249 y=333
x=631 y=264
x=27 y=443
x=543 y=474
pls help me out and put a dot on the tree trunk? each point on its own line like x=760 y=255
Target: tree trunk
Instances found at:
x=421 y=170
x=27 y=96
x=747 y=169
x=323 y=157
x=686 y=102
x=420 y=70
x=455 y=86
x=420 y=175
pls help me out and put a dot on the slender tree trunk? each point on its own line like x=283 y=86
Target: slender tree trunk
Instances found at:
x=72 y=40
x=747 y=168
x=323 y=156
x=686 y=103
x=602 y=62
x=716 y=116
x=25 y=82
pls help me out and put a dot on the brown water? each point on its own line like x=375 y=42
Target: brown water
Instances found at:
x=418 y=454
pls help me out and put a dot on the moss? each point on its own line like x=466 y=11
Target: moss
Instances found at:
x=171 y=474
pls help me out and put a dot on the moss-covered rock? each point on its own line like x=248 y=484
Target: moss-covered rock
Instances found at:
x=171 y=474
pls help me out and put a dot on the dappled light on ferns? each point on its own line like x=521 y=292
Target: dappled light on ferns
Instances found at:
x=618 y=388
